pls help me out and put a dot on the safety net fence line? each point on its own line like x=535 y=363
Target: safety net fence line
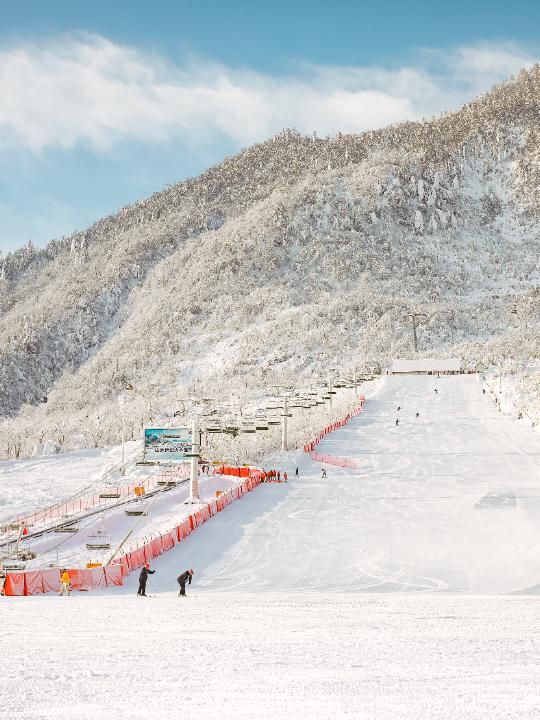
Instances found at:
x=70 y=509
x=43 y=581
x=310 y=447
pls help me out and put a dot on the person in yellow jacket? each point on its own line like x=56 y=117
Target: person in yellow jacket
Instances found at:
x=65 y=583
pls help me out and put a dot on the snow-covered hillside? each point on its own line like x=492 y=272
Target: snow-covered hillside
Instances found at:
x=297 y=255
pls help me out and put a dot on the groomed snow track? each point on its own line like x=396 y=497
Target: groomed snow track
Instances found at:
x=447 y=501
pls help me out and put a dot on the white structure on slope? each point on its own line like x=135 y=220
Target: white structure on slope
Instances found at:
x=427 y=366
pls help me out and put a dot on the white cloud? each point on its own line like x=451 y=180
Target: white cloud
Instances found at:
x=88 y=90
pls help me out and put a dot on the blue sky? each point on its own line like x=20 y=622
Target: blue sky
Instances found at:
x=102 y=103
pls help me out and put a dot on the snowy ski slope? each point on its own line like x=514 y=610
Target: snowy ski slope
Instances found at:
x=448 y=501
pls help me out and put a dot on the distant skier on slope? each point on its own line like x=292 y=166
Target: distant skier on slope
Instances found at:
x=436 y=391
x=399 y=408
x=323 y=473
x=296 y=472
x=417 y=414
x=397 y=422
x=285 y=476
x=182 y=579
x=143 y=578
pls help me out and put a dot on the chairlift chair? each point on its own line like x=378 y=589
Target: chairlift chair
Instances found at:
x=213 y=429
x=73 y=528
x=98 y=541
x=112 y=494
x=136 y=509
x=11 y=564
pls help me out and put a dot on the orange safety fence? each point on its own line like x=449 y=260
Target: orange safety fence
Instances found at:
x=36 y=582
x=310 y=446
x=42 y=581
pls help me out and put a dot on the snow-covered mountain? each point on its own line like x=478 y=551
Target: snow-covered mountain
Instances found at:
x=297 y=255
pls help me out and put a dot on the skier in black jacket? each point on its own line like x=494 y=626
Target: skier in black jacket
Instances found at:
x=184 y=578
x=143 y=577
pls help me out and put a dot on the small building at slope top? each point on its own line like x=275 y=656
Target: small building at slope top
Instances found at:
x=427 y=366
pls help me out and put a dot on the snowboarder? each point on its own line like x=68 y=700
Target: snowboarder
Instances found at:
x=417 y=414
x=184 y=578
x=143 y=577
x=65 y=583
x=323 y=473
x=397 y=422
x=296 y=472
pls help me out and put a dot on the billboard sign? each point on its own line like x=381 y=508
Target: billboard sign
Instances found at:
x=165 y=445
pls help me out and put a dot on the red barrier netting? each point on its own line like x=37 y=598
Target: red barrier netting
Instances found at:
x=14 y=584
x=310 y=446
x=43 y=581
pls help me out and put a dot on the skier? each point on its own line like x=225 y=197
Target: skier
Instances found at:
x=143 y=577
x=182 y=579
x=399 y=408
x=279 y=475
x=397 y=422
x=323 y=473
x=285 y=476
x=65 y=583
x=417 y=414
x=296 y=472
x=483 y=391
x=436 y=391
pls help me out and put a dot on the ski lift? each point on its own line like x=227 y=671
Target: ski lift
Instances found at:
x=11 y=564
x=136 y=509
x=167 y=482
x=112 y=494
x=98 y=541
x=213 y=429
x=71 y=528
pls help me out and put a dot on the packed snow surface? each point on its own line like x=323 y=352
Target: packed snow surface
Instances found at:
x=257 y=656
